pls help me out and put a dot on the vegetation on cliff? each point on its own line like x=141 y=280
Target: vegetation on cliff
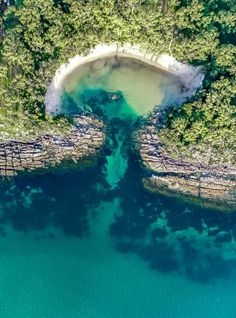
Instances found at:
x=38 y=36
x=204 y=130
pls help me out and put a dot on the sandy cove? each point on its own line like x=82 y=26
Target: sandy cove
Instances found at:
x=190 y=77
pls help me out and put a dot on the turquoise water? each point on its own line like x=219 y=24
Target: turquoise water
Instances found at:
x=95 y=244
x=142 y=86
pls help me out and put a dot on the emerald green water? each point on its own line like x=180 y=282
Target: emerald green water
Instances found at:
x=141 y=85
x=95 y=244
x=120 y=90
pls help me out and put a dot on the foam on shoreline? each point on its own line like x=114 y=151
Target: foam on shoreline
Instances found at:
x=190 y=77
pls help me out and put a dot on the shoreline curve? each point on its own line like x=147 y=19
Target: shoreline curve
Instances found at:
x=190 y=77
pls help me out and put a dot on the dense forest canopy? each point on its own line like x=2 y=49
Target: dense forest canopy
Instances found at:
x=39 y=35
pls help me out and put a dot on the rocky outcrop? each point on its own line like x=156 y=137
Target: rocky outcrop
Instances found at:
x=216 y=183
x=80 y=145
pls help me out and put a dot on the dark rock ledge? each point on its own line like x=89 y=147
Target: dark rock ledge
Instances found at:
x=81 y=145
x=211 y=184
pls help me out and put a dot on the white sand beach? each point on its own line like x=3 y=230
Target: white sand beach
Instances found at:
x=190 y=77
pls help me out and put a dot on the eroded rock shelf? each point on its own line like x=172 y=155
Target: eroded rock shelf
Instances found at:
x=208 y=182
x=83 y=143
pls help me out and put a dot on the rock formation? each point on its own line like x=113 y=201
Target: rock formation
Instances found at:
x=216 y=183
x=82 y=144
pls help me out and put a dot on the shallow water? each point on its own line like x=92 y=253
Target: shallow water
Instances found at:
x=95 y=244
x=142 y=85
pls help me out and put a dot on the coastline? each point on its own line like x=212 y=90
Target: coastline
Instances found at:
x=206 y=184
x=190 y=77
x=210 y=183
x=81 y=146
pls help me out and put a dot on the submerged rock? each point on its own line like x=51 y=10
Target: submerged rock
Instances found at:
x=81 y=146
x=210 y=183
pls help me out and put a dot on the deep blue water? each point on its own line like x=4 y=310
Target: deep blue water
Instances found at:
x=96 y=244
x=73 y=247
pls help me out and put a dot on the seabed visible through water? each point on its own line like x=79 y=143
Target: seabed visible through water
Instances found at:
x=94 y=243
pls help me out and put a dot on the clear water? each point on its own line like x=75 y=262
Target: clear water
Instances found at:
x=95 y=244
x=142 y=86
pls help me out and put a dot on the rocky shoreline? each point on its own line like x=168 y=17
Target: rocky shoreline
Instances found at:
x=215 y=184
x=211 y=184
x=81 y=146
